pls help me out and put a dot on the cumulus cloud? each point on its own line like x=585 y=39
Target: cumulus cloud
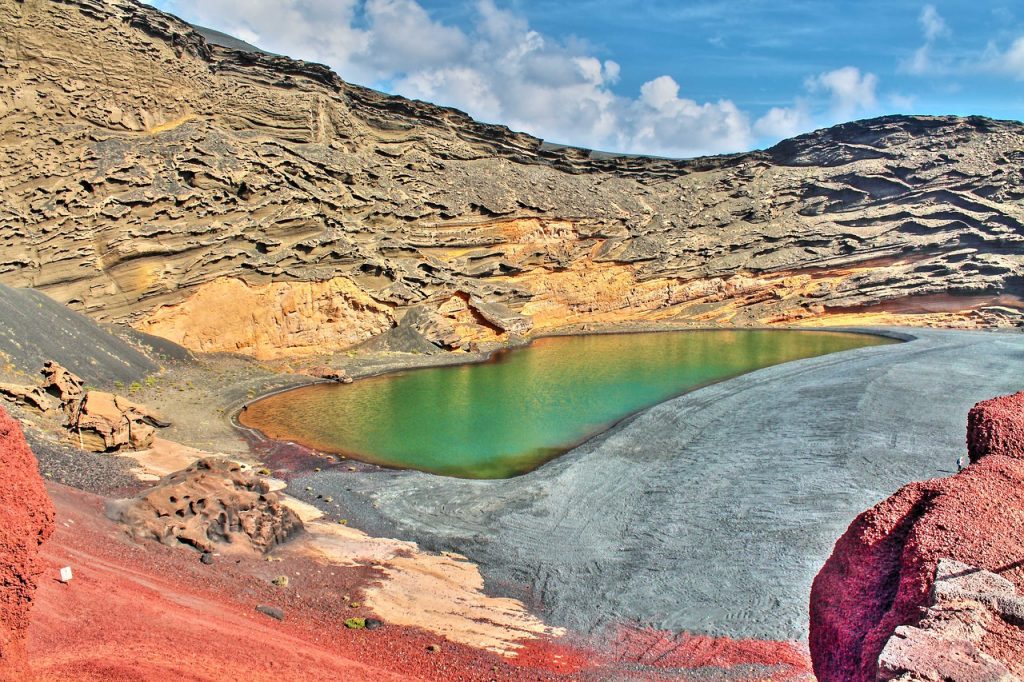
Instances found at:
x=782 y=122
x=850 y=90
x=499 y=69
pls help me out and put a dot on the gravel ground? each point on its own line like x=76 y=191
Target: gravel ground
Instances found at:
x=711 y=512
x=98 y=473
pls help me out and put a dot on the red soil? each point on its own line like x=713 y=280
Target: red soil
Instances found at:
x=149 y=612
x=881 y=570
x=26 y=520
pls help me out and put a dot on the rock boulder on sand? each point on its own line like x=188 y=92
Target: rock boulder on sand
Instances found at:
x=881 y=575
x=26 y=520
x=98 y=421
x=213 y=505
x=105 y=422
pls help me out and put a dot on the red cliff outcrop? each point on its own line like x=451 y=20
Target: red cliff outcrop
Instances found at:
x=882 y=573
x=26 y=520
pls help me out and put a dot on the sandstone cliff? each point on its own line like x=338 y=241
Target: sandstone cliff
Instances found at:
x=26 y=520
x=902 y=595
x=148 y=176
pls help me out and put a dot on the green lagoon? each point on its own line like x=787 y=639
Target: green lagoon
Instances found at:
x=509 y=415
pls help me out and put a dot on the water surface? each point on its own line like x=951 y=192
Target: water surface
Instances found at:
x=510 y=415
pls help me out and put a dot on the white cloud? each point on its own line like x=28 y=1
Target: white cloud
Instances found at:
x=1009 y=62
x=1013 y=59
x=923 y=62
x=499 y=69
x=661 y=114
x=927 y=61
x=402 y=33
x=933 y=24
x=851 y=91
x=782 y=122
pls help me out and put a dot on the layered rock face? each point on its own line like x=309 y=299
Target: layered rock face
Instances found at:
x=26 y=521
x=890 y=604
x=149 y=177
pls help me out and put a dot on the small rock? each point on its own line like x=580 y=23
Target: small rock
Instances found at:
x=280 y=581
x=355 y=623
x=271 y=611
x=373 y=624
x=206 y=558
x=434 y=648
x=354 y=605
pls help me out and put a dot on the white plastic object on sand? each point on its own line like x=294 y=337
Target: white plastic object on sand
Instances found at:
x=65 y=574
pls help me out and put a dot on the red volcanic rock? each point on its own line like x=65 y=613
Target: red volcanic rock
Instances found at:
x=949 y=643
x=881 y=571
x=26 y=520
x=996 y=427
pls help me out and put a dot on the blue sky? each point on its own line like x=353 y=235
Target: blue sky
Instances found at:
x=655 y=77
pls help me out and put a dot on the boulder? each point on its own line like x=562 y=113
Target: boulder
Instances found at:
x=331 y=374
x=967 y=604
x=878 y=591
x=32 y=396
x=65 y=386
x=26 y=521
x=100 y=421
x=106 y=422
x=213 y=505
x=996 y=426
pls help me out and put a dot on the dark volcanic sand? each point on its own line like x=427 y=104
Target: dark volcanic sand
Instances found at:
x=711 y=512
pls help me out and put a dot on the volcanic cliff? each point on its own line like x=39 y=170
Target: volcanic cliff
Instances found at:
x=233 y=200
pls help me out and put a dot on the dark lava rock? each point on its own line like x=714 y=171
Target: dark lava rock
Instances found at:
x=271 y=611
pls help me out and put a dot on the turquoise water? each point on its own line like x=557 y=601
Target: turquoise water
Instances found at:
x=510 y=415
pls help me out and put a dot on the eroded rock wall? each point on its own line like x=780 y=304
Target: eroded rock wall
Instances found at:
x=882 y=571
x=26 y=521
x=271 y=320
x=141 y=167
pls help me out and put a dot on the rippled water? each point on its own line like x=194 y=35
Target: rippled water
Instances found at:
x=510 y=415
